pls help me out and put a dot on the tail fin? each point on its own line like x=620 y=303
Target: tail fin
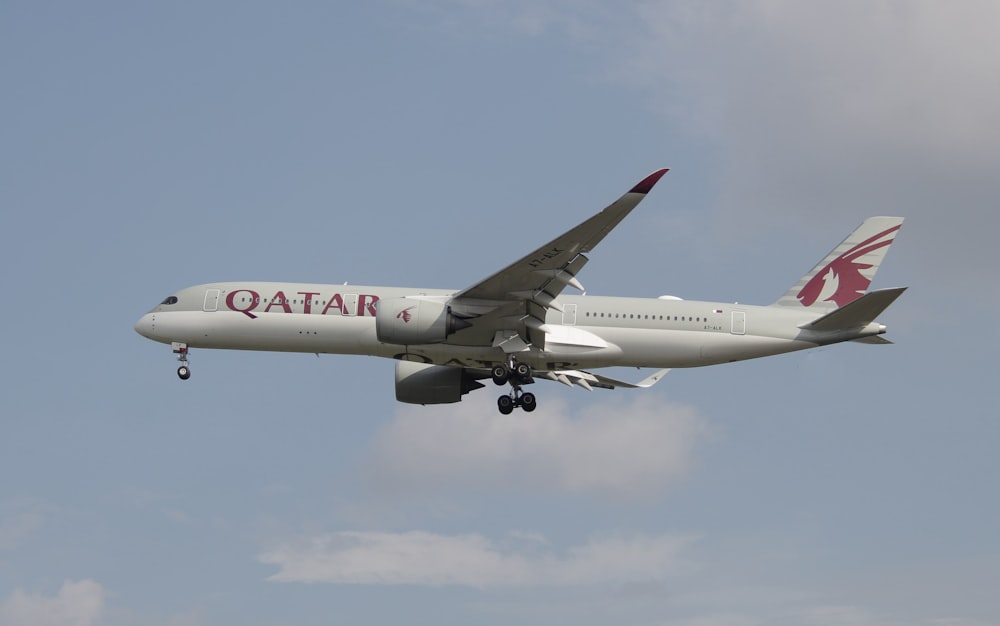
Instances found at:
x=844 y=275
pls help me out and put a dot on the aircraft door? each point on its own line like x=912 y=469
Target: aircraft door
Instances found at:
x=739 y=323
x=211 y=300
x=569 y=314
x=350 y=304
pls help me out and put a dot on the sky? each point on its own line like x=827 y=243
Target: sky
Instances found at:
x=146 y=147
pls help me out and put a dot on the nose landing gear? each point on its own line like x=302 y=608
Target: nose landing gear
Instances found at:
x=181 y=350
x=516 y=374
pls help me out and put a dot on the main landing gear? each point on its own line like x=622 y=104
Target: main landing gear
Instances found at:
x=516 y=374
x=181 y=350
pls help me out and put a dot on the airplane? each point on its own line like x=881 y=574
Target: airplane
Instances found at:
x=517 y=326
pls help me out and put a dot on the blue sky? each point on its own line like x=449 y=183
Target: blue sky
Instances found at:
x=145 y=148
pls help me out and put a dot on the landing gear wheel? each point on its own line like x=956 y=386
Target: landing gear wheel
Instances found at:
x=528 y=402
x=516 y=374
x=505 y=404
x=181 y=350
x=500 y=374
x=523 y=371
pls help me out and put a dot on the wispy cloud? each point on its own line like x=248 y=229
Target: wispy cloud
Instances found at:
x=821 y=110
x=898 y=70
x=77 y=603
x=423 y=558
x=821 y=615
x=626 y=447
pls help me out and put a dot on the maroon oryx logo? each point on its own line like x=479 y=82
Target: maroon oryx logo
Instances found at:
x=843 y=274
x=405 y=314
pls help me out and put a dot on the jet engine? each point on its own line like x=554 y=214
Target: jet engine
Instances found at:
x=423 y=383
x=412 y=321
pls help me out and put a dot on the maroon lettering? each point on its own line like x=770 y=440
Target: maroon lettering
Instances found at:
x=254 y=300
x=247 y=301
x=336 y=302
x=367 y=303
x=279 y=299
x=308 y=301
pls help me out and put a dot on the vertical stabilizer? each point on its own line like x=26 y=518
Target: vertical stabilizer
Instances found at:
x=844 y=275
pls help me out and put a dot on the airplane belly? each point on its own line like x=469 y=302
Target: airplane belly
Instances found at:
x=721 y=348
x=691 y=348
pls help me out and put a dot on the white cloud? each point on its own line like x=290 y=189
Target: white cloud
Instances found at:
x=778 y=75
x=825 y=113
x=825 y=615
x=78 y=603
x=423 y=558
x=623 y=446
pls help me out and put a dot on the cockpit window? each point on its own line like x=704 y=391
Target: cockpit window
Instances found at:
x=170 y=300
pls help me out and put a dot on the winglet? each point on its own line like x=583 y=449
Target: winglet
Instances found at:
x=647 y=183
x=652 y=380
x=597 y=380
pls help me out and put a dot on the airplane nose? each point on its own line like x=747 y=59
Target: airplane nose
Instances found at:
x=145 y=325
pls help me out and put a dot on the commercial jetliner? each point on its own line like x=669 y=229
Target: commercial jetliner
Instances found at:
x=517 y=326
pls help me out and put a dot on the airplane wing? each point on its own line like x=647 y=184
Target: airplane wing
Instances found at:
x=518 y=296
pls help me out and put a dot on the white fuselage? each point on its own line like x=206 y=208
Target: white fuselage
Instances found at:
x=581 y=331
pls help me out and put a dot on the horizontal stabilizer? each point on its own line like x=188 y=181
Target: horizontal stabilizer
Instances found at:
x=857 y=313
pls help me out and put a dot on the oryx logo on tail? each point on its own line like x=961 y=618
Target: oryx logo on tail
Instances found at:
x=847 y=276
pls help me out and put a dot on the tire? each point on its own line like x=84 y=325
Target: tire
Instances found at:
x=505 y=404
x=183 y=372
x=528 y=402
x=500 y=375
x=523 y=371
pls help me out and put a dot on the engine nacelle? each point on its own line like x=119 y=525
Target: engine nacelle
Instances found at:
x=412 y=321
x=423 y=383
